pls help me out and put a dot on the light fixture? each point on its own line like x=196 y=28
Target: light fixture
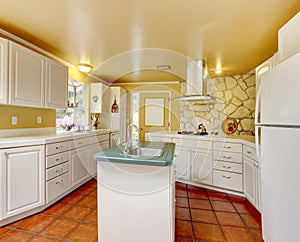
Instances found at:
x=218 y=71
x=86 y=68
x=164 y=67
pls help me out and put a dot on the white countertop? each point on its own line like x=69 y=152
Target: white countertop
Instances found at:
x=245 y=139
x=28 y=139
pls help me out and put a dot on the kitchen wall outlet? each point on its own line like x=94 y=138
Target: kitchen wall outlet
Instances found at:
x=14 y=120
x=39 y=119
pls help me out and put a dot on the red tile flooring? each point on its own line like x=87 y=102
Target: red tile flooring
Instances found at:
x=202 y=215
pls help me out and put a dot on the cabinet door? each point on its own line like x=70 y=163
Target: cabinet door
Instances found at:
x=79 y=165
x=93 y=149
x=250 y=176
x=3 y=70
x=56 y=85
x=27 y=77
x=202 y=166
x=182 y=162
x=106 y=105
x=22 y=179
x=96 y=97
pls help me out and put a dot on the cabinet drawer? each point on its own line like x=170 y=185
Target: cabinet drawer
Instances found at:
x=102 y=137
x=57 y=170
x=57 y=186
x=250 y=152
x=58 y=147
x=227 y=146
x=232 y=181
x=228 y=166
x=194 y=144
x=78 y=143
x=228 y=156
x=104 y=145
x=57 y=159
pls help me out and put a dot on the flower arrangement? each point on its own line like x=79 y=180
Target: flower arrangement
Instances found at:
x=66 y=122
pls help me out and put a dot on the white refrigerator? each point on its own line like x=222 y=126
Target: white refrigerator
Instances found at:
x=279 y=124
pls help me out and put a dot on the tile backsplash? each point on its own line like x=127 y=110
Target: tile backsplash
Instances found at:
x=234 y=97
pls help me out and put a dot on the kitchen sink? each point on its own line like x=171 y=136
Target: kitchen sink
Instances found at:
x=139 y=152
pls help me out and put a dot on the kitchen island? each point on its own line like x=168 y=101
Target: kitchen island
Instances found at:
x=136 y=193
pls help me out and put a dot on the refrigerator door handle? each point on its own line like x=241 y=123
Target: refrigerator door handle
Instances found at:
x=257 y=122
x=257 y=106
x=257 y=143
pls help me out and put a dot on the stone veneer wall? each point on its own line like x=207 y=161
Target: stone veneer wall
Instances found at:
x=235 y=97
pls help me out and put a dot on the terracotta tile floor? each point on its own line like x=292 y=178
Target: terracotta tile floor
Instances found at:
x=202 y=215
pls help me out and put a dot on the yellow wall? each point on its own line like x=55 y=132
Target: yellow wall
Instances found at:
x=27 y=117
x=175 y=106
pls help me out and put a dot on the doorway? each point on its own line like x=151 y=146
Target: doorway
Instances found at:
x=151 y=112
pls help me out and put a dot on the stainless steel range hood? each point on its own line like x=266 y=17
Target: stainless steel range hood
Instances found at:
x=196 y=83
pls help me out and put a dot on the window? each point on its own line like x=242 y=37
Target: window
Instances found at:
x=73 y=115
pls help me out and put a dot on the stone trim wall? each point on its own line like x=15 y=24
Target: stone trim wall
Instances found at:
x=235 y=97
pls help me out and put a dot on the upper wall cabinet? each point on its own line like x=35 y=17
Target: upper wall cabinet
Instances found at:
x=56 y=85
x=30 y=79
x=99 y=98
x=3 y=70
x=289 y=38
x=26 y=77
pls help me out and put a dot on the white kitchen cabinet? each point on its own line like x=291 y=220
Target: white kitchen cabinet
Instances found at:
x=22 y=180
x=228 y=165
x=79 y=165
x=3 y=70
x=252 y=180
x=289 y=38
x=182 y=163
x=202 y=166
x=92 y=166
x=27 y=71
x=56 y=85
x=135 y=200
x=99 y=98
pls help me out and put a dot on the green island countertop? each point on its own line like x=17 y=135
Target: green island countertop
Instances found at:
x=115 y=154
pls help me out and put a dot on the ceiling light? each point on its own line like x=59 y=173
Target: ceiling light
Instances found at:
x=164 y=67
x=218 y=71
x=86 y=68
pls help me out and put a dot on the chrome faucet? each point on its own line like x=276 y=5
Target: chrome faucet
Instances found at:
x=128 y=146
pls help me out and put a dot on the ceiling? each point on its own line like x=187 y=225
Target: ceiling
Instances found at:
x=125 y=40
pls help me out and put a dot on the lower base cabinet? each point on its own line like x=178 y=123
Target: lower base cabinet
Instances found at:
x=202 y=166
x=79 y=165
x=182 y=163
x=22 y=179
x=252 y=182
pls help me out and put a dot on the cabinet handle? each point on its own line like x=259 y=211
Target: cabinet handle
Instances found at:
x=249 y=152
x=227 y=147
x=58 y=159
x=227 y=157
x=60 y=170
x=227 y=177
x=60 y=181
x=79 y=143
x=227 y=167
x=58 y=147
x=175 y=155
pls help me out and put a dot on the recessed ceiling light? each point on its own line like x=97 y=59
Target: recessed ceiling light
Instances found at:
x=164 y=67
x=218 y=71
x=86 y=68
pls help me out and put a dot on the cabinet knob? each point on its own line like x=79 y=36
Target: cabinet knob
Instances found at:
x=227 y=147
x=227 y=157
x=227 y=167
x=249 y=152
x=227 y=177
x=58 y=159
x=58 y=182
x=58 y=147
